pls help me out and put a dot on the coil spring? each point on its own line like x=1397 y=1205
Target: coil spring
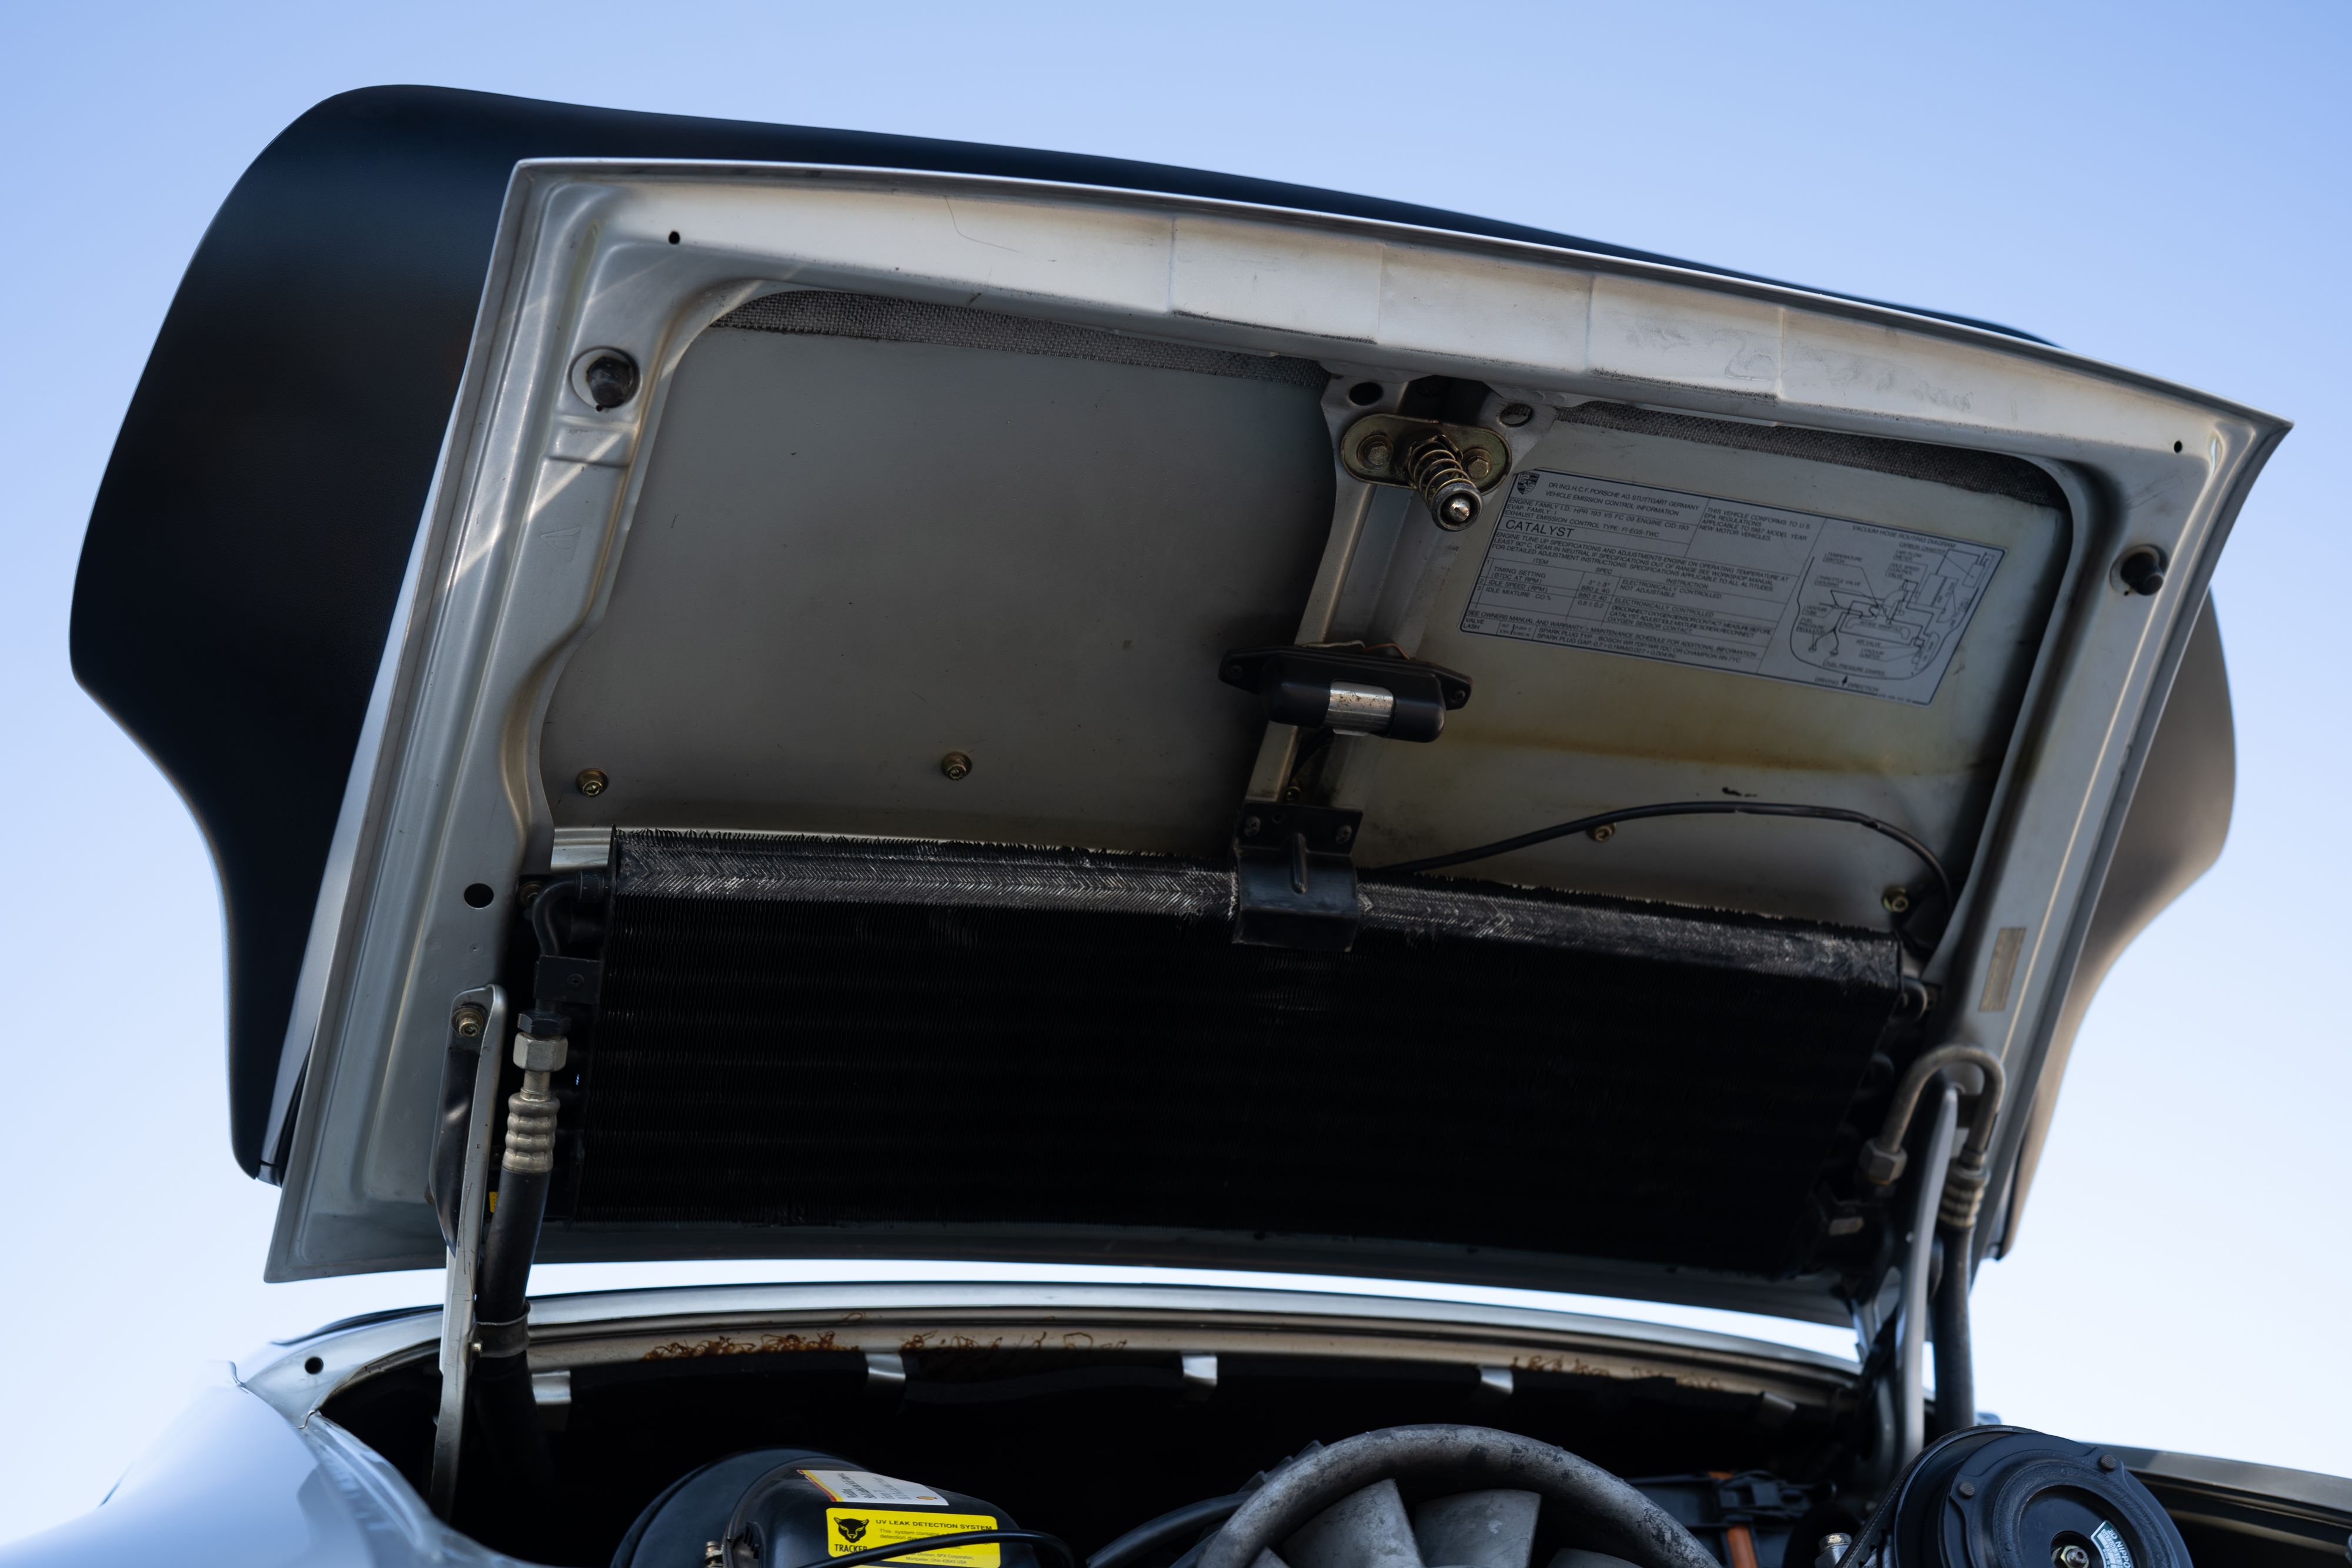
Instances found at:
x=1434 y=468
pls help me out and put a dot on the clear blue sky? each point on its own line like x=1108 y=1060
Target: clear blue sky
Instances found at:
x=2163 y=186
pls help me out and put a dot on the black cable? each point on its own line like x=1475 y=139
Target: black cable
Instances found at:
x=1692 y=809
x=1143 y=1538
x=543 y=914
x=1053 y=1543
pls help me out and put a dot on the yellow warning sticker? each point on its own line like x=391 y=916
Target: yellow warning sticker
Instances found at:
x=848 y=1529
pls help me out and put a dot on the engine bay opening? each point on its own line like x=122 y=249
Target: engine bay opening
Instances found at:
x=1088 y=1444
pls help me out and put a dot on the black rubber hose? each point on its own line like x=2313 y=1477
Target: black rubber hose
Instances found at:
x=1604 y=1513
x=501 y=1290
x=506 y=1415
x=1177 y=1522
x=563 y=890
x=1956 y=1373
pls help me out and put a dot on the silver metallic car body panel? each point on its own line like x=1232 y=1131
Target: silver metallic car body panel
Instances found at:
x=517 y=557
x=694 y=1322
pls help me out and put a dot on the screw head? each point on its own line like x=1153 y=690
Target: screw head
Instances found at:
x=1344 y=834
x=1515 y=414
x=956 y=766
x=470 y=1021
x=1457 y=512
x=610 y=380
x=1375 y=452
x=1601 y=835
x=591 y=782
x=1895 y=901
x=1252 y=827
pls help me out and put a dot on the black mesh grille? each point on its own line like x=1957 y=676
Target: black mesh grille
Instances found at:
x=1599 y=1080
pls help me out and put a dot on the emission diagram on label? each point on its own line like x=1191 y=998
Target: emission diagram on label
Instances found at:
x=1728 y=585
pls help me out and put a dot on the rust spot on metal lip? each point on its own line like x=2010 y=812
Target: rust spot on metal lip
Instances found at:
x=727 y=1344
x=1070 y=1339
x=1568 y=1362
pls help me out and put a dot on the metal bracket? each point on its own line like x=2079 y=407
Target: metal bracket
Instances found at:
x=1350 y=690
x=1450 y=466
x=457 y=1292
x=1294 y=885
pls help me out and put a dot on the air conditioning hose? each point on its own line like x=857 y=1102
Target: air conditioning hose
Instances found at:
x=501 y=1379
x=1604 y=1513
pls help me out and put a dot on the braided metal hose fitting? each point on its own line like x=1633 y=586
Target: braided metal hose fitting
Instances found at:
x=531 y=1109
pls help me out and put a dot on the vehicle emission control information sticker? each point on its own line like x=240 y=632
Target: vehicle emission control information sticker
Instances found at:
x=848 y=1529
x=1726 y=585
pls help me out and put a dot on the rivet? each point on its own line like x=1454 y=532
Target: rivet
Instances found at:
x=2109 y=1462
x=956 y=764
x=591 y=781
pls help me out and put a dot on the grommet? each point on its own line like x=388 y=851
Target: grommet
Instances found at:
x=2141 y=569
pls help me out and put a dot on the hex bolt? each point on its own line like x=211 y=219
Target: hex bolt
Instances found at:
x=1601 y=835
x=2069 y=1555
x=470 y=1021
x=1479 y=463
x=610 y=380
x=2141 y=569
x=1515 y=414
x=591 y=782
x=956 y=766
x=1895 y=899
x=1375 y=452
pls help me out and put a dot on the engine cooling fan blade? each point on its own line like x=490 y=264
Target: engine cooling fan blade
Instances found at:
x=1369 y=1529
x=1477 y=1528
